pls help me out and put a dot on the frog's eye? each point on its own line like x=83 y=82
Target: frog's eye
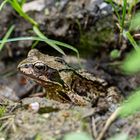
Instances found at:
x=40 y=67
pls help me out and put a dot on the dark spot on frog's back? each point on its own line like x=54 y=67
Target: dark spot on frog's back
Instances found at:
x=82 y=93
x=80 y=86
x=87 y=88
x=64 y=95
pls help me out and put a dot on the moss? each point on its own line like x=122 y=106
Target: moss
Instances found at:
x=2 y=110
x=101 y=35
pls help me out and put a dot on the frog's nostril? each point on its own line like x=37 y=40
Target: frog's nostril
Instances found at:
x=20 y=66
x=26 y=66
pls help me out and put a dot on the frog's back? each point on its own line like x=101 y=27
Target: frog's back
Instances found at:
x=94 y=90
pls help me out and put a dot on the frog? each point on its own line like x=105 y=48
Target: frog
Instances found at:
x=65 y=84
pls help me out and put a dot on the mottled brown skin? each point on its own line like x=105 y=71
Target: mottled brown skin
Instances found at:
x=65 y=84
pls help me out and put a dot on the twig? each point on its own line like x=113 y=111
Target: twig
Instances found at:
x=108 y=123
x=93 y=125
x=7 y=117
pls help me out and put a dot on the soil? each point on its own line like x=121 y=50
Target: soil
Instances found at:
x=89 y=26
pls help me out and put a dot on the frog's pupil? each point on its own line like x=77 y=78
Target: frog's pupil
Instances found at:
x=39 y=67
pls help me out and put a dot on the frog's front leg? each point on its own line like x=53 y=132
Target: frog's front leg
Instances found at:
x=77 y=99
x=55 y=95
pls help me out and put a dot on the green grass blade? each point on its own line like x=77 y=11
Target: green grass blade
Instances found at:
x=116 y=10
x=39 y=33
x=131 y=64
x=6 y=37
x=48 y=41
x=65 y=45
x=29 y=38
x=123 y=14
x=21 y=2
x=69 y=47
x=131 y=39
x=44 y=40
x=131 y=105
x=2 y=4
x=22 y=39
x=40 y=39
x=18 y=8
x=35 y=44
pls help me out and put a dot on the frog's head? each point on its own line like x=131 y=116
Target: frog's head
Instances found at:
x=42 y=68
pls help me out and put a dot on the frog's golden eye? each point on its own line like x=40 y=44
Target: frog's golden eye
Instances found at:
x=40 y=67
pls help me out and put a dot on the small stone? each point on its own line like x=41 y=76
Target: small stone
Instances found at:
x=34 y=106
